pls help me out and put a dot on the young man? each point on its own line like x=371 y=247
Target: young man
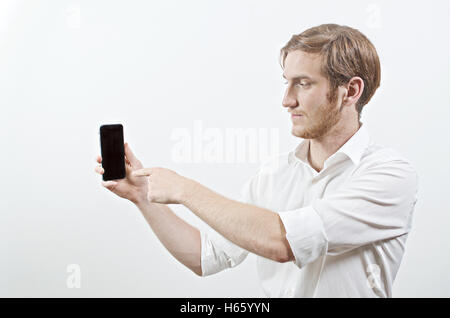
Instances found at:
x=328 y=219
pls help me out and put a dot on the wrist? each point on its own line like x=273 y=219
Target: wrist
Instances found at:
x=141 y=203
x=189 y=188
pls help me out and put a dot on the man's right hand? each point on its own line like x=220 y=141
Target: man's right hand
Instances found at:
x=131 y=188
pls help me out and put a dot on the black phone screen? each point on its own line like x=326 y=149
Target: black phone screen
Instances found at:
x=113 y=152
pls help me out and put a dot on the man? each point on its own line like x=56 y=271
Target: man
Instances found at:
x=328 y=219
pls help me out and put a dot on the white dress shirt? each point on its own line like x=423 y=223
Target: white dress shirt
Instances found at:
x=347 y=225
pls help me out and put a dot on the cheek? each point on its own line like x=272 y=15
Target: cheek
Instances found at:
x=314 y=101
x=309 y=102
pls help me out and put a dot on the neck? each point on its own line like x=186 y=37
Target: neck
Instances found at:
x=320 y=149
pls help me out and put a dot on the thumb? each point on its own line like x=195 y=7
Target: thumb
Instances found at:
x=131 y=157
x=110 y=185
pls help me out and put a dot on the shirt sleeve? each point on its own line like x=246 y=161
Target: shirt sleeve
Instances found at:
x=374 y=204
x=217 y=252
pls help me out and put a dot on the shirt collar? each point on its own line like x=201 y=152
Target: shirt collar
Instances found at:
x=353 y=148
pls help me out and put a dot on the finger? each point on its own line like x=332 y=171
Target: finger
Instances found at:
x=131 y=157
x=110 y=185
x=99 y=159
x=142 y=172
x=99 y=169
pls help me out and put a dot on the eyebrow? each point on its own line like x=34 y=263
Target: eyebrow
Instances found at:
x=299 y=77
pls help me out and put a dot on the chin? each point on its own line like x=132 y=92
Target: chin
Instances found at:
x=298 y=132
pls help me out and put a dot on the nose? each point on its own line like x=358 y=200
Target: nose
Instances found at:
x=289 y=99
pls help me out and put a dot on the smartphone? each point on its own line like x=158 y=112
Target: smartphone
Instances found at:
x=113 y=152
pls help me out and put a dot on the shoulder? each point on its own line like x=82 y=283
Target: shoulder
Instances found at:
x=377 y=155
x=387 y=164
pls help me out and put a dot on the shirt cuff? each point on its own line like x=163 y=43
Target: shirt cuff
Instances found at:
x=209 y=266
x=305 y=233
x=217 y=253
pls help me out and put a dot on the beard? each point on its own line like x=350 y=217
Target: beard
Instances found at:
x=328 y=115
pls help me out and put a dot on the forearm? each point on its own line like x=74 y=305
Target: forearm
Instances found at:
x=180 y=238
x=255 y=229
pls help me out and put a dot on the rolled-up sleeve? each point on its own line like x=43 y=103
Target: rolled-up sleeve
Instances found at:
x=218 y=253
x=305 y=233
x=373 y=205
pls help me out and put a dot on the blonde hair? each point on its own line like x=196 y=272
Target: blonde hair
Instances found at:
x=345 y=53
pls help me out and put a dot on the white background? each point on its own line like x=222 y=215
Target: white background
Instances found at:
x=67 y=67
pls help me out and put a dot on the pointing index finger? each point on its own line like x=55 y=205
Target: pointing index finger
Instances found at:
x=142 y=172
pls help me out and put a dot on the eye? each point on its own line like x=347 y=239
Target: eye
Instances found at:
x=299 y=84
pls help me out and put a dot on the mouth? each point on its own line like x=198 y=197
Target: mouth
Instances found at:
x=296 y=115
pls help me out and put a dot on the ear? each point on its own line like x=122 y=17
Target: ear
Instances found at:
x=355 y=88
